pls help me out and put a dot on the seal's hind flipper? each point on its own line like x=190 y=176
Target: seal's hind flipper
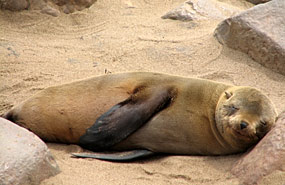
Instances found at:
x=118 y=156
x=125 y=118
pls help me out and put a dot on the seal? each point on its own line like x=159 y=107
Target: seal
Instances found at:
x=155 y=112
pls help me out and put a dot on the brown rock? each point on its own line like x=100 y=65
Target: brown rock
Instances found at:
x=50 y=7
x=70 y=6
x=14 y=5
x=267 y=156
x=259 y=32
x=37 y=4
x=24 y=158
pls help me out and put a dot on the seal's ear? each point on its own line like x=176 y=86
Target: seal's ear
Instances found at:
x=228 y=94
x=125 y=118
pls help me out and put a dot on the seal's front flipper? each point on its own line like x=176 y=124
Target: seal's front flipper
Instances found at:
x=126 y=117
x=118 y=156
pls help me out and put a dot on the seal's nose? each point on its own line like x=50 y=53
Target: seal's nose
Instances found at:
x=243 y=125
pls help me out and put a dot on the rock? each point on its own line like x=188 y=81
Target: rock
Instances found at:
x=70 y=6
x=183 y=13
x=258 y=1
x=259 y=32
x=14 y=5
x=24 y=158
x=201 y=9
x=37 y=4
x=267 y=156
x=50 y=11
x=50 y=7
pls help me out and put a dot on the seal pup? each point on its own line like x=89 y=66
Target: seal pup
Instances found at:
x=151 y=112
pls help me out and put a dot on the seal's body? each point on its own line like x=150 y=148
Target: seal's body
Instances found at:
x=157 y=112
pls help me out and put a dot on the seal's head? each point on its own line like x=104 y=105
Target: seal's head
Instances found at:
x=243 y=116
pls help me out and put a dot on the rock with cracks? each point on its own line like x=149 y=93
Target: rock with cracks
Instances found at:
x=267 y=156
x=24 y=158
x=259 y=32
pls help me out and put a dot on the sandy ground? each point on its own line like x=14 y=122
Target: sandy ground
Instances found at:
x=37 y=51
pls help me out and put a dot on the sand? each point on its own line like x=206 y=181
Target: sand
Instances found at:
x=38 y=50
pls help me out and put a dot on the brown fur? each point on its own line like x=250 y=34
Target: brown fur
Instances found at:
x=198 y=121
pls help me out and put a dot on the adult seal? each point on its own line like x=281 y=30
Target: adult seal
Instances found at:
x=148 y=113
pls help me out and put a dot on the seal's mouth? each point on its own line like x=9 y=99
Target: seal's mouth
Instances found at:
x=244 y=135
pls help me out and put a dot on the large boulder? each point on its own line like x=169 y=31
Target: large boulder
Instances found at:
x=259 y=32
x=267 y=156
x=24 y=158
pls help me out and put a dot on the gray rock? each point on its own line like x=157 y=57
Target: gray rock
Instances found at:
x=259 y=32
x=24 y=158
x=201 y=9
x=267 y=156
x=183 y=13
x=50 y=11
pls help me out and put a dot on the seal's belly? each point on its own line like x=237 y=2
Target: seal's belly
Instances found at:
x=172 y=132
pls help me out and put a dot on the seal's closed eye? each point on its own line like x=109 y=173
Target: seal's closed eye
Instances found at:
x=232 y=110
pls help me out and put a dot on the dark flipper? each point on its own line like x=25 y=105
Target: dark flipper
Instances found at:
x=118 y=156
x=125 y=118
